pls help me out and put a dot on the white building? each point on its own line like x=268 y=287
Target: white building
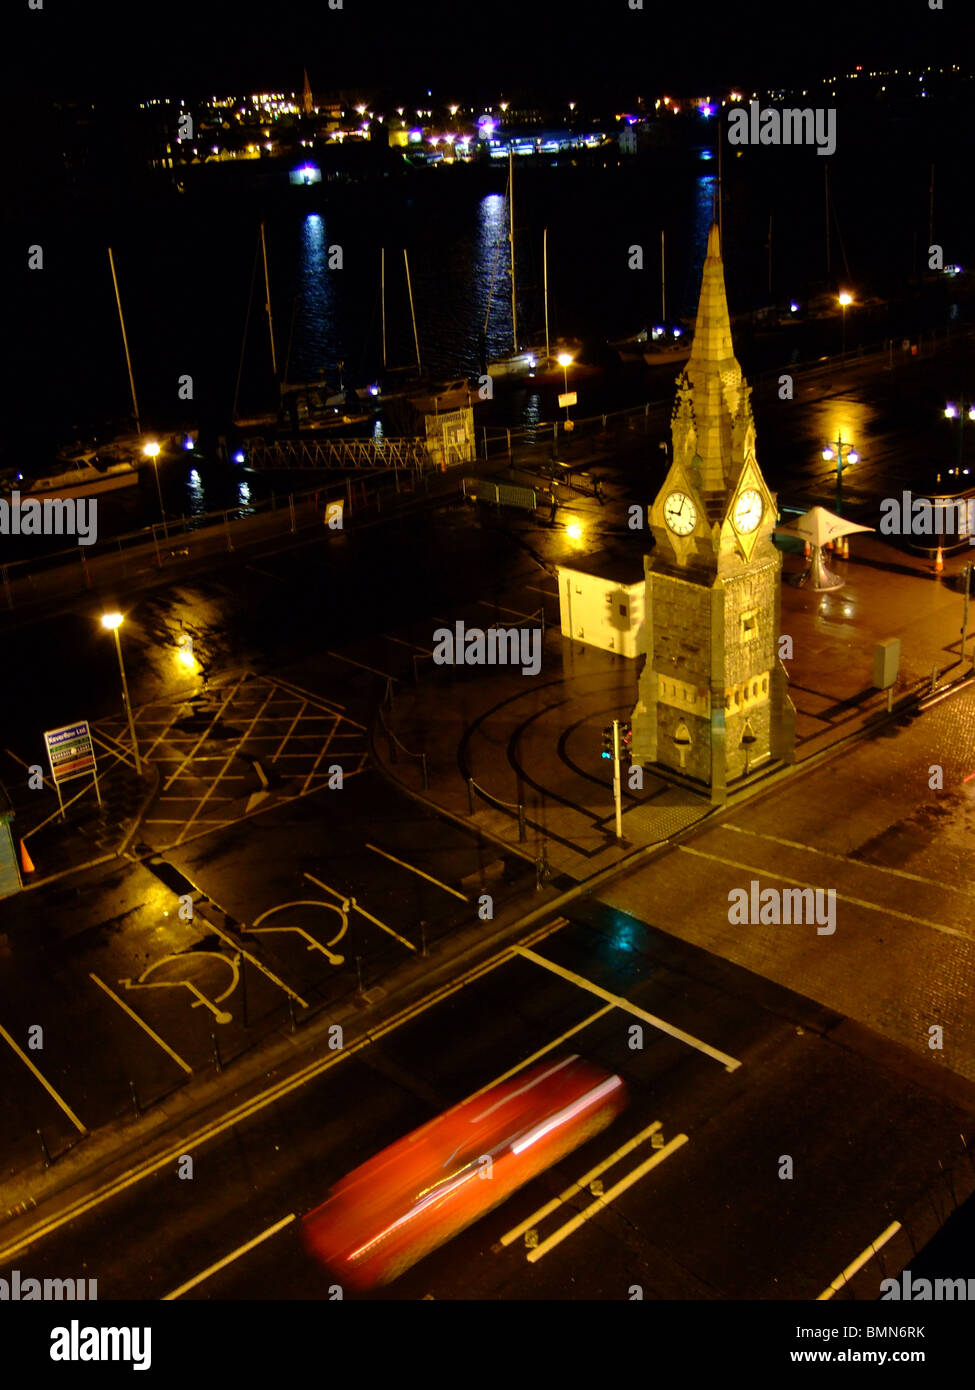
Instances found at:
x=601 y=602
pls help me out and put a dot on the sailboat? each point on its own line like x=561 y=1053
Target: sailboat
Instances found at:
x=413 y=384
x=517 y=362
x=305 y=405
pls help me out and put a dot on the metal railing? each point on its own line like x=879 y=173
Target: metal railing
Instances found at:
x=392 y=743
x=340 y=453
x=517 y=806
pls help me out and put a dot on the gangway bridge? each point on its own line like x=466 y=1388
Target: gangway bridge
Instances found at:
x=340 y=453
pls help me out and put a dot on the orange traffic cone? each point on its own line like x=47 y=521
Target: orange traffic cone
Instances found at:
x=939 y=561
x=846 y=547
x=26 y=863
x=806 y=551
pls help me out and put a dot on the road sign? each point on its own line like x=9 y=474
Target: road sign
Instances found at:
x=70 y=752
x=568 y=398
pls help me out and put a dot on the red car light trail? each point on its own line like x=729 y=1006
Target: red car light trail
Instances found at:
x=431 y=1184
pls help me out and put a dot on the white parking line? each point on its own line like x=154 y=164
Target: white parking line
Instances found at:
x=142 y=1024
x=840 y=897
x=569 y=1032
x=730 y=1064
x=429 y=878
x=361 y=910
x=336 y=656
x=44 y=1082
x=228 y=1259
x=859 y=1262
x=601 y=1203
x=581 y=1185
x=850 y=859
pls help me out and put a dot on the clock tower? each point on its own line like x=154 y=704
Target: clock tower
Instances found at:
x=713 y=695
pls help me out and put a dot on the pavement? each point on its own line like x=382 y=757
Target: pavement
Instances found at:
x=510 y=734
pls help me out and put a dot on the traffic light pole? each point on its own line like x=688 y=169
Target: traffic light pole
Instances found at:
x=617 y=780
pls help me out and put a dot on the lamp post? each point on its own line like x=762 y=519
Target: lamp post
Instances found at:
x=845 y=299
x=151 y=450
x=113 y=621
x=564 y=359
x=833 y=451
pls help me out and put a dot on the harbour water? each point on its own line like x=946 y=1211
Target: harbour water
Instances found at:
x=190 y=279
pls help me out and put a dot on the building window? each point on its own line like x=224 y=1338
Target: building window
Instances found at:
x=622 y=610
x=749 y=625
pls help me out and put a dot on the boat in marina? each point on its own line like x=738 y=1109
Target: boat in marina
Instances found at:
x=85 y=474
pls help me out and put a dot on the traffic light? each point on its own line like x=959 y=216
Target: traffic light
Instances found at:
x=626 y=739
x=608 y=742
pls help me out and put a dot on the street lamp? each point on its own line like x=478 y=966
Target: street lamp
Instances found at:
x=845 y=299
x=835 y=451
x=112 y=622
x=151 y=450
x=564 y=359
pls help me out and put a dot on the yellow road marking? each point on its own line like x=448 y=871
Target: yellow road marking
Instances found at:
x=859 y=1262
x=730 y=1064
x=428 y=877
x=253 y=960
x=361 y=910
x=228 y=1259
x=44 y=1082
x=513 y=1071
x=362 y=666
x=142 y=1023
x=601 y=1203
x=580 y=1185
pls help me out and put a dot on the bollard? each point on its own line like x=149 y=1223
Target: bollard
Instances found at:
x=470 y=796
x=521 y=821
x=135 y=1099
x=218 y=1061
x=423 y=939
x=44 y=1150
x=291 y=1013
x=423 y=769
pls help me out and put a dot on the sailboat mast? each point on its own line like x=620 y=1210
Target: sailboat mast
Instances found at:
x=125 y=344
x=267 y=305
x=409 y=287
x=545 y=278
x=511 y=239
x=382 y=297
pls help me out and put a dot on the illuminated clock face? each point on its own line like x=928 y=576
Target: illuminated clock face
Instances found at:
x=748 y=510
x=680 y=513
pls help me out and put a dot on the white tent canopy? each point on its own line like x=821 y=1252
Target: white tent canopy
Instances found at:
x=817 y=526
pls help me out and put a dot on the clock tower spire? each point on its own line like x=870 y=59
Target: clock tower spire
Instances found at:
x=713 y=698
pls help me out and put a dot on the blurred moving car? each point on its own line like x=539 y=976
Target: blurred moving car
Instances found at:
x=428 y=1186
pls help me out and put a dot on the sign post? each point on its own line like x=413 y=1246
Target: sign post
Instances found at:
x=71 y=753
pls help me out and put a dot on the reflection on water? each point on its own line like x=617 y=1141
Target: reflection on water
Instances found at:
x=532 y=416
x=244 y=497
x=196 y=494
x=312 y=330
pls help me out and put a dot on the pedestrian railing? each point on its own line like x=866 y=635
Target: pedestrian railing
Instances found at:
x=393 y=743
x=473 y=789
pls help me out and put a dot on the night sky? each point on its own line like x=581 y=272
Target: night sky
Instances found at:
x=116 y=47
